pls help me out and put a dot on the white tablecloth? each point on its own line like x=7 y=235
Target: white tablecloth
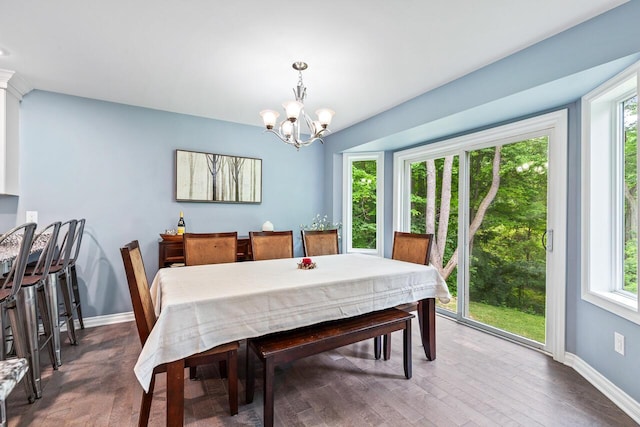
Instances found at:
x=200 y=307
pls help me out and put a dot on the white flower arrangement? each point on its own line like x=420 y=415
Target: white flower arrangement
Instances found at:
x=321 y=223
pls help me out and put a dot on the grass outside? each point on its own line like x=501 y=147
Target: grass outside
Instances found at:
x=524 y=324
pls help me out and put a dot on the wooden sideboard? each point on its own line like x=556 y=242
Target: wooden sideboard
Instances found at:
x=171 y=252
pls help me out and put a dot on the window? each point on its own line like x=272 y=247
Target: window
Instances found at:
x=610 y=195
x=363 y=202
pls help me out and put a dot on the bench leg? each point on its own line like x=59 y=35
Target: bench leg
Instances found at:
x=387 y=346
x=251 y=374
x=377 y=347
x=269 y=369
x=406 y=338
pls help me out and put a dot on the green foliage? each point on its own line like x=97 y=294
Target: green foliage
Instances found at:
x=630 y=108
x=364 y=204
x=507 y=267
x=508 y=259
x=526 y=325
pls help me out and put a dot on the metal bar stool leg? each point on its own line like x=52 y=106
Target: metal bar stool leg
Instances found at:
x=51 y=294
x=66 y=295
x=15 y=319
x=26 y=307
x=45 y=316
x=76 y=294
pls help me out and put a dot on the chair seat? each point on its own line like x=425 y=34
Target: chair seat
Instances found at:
x=53 y=269
x=5 y=293
x=31 y=280
x=205 y=356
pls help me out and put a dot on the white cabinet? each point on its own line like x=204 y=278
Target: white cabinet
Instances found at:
x=10 y=96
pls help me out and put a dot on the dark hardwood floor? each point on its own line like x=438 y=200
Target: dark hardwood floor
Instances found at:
x=477 y=380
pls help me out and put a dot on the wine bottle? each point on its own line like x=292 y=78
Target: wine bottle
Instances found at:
x=181 y=226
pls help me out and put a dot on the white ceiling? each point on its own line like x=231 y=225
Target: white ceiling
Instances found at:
x=229 y=60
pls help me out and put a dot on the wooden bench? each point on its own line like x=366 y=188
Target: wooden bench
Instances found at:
x=284 y=347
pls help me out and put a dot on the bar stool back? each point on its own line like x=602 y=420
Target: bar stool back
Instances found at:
x=18 y=305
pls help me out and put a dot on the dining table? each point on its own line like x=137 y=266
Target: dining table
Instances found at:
x=200 y=307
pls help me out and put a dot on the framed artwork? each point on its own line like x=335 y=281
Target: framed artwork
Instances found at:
x=207 y=177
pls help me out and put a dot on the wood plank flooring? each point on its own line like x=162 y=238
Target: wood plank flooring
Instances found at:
x=476 y=380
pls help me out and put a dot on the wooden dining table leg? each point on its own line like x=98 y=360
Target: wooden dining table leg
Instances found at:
x=427 y=319
x=175 y=393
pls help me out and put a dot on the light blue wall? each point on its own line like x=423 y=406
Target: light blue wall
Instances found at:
x=114 y=165
x=550 y=75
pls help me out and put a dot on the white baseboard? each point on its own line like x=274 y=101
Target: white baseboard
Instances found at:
x=625 y=402
x=109 y=319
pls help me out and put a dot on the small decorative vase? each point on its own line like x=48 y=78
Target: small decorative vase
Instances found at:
x=267 y=226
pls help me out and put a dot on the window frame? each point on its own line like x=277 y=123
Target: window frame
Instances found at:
x=347 y=208
x=602 y=208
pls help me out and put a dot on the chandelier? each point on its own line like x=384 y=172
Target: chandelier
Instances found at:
x=289 y=130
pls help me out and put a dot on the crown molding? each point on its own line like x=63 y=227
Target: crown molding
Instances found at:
x=14 y=83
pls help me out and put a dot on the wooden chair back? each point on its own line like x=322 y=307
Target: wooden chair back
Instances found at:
x=317 y=242
x=412 y=247
x=210 y=248
x=139 y=289
x=271 y=244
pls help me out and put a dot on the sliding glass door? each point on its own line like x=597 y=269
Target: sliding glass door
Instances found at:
x=495 y=202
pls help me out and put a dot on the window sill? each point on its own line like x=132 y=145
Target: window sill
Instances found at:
x=614 y=302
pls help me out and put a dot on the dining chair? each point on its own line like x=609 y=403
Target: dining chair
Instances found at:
x=210 y=248
x=18 y=306
x=320 y=242
x=409 y=247
x=145 y=317
x=412 y=247
x=271 y=244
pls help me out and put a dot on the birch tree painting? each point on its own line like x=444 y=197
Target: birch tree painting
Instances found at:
x=206 y=177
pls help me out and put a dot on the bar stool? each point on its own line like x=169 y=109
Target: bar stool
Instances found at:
x=18 y=306
x=72 y=273
x=36 y=275
x=58 y=282
x=55 y=281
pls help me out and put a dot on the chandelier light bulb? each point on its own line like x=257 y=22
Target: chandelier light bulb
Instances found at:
x=287 y=129
x=293 y=109
x=269 y=117
x=324 y=116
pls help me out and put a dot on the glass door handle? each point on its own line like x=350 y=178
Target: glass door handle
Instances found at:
x=547 y=240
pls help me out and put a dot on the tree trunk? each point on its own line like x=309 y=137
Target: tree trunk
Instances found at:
x=445 y=211
x=482 y=210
